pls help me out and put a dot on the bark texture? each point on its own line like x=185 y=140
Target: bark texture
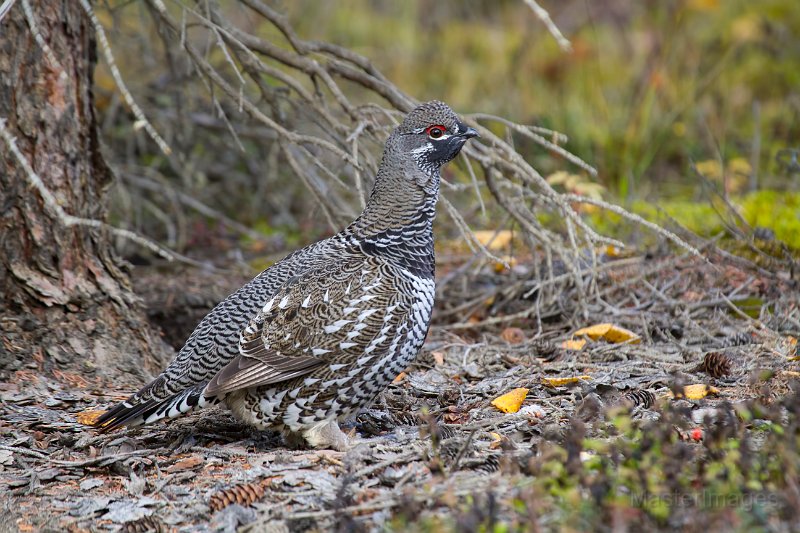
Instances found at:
x=65 y=304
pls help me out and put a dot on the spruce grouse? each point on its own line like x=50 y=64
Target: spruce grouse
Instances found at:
x=318 y=335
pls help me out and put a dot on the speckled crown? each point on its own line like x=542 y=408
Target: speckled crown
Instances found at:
x=427 y=114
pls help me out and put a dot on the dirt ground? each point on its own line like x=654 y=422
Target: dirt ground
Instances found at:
x=608 y=437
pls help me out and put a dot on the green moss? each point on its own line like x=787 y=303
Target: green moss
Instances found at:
x=777 y=211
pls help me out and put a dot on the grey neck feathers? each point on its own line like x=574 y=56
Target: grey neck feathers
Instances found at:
x=397 y=221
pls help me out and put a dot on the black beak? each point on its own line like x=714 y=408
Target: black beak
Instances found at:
x=467 y=132
x=470 y=133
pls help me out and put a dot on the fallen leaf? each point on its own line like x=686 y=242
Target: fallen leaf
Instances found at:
x=508 y=263
x=576 y=183
x=513 y=335
x=400 y=377
x=698 y=391
x=185 y=464
x=510 y=402
x=494 y=240
x=613 y=251
x=576 y=344
x=460 y=417
x=609 y=332
x=560 y=382
x=438 y=357
x=88 y=418
x=498 y=441
x=791 y=373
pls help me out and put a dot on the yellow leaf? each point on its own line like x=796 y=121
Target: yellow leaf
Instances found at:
x=400 y=377
x=587 y=188
x=698 y=391
x=609 y=332
x=587 y=209
x=576 y=345
x=88 y=418
x=510 y=402
x=577 y=184
x=494 y=240
x=509 y=262
x=710 y=168
x=497 y=442
x=740 y=165
x=560 y=382
x=558 y=178
x=746 y=28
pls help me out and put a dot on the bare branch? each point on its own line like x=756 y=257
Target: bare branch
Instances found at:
x=544 y=16
x=635 y=218
x=5 y=8
x=141 y=119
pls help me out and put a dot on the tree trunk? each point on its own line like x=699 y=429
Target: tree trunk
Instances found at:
x=65 y=304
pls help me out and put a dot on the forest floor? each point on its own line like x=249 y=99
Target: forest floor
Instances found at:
x=692 y=424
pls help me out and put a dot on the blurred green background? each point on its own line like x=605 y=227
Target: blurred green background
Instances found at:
x=648 y=85
x=692 y=106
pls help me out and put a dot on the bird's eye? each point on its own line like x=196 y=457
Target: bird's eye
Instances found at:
x=435 y=132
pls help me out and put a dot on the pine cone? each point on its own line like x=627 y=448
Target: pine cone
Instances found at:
x=716 y=364
x=739 y=339
x=545 y=349
x=489 y=465
x=641 y=398
x=244 y=494
x=146 y=524
x=407 y=419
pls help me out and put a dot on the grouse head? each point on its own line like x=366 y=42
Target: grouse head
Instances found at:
x=432 y=135
x=407 y=183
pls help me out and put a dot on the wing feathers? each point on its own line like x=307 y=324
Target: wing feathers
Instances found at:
x=245 y=372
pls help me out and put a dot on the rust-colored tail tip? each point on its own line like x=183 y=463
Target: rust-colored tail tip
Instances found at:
x=91 y=417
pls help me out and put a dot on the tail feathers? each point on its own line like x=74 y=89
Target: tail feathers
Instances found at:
x=128 y=414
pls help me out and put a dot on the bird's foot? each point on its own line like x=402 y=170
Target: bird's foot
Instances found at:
x=326 y=434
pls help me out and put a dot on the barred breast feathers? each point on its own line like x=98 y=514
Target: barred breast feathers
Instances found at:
x=336 y=313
